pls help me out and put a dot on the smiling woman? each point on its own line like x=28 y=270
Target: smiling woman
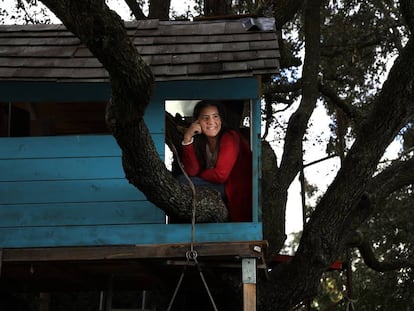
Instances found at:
x=219 y=157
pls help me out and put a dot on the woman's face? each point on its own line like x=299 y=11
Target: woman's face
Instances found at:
x=210 y=121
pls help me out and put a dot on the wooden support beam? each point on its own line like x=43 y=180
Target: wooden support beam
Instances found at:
x=249 y=284
x=240 y=249
x=249 y=297
x=44 y=301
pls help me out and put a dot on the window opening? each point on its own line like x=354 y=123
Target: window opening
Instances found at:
x=52 y=119
x=238 y=117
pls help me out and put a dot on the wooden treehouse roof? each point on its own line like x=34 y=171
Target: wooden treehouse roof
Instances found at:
x=175 y=50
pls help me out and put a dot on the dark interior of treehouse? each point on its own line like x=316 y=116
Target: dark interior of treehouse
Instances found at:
x=52 y=119
x=77 y=118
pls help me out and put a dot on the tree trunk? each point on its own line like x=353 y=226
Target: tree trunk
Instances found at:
x=274 y=198
x=159 y=9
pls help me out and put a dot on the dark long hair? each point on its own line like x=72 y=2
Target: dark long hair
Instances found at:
x=200 y=141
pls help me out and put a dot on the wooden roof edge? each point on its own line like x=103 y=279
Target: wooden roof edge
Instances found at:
x=222 y=17
x=158 y=78
x=122 y=252
x=146 y=24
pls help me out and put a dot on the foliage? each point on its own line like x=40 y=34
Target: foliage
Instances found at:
x=373 y=35
x=25 y=12
x=392 y=235
x=383 y=291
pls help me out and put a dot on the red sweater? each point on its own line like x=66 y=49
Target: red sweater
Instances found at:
x=233 y=168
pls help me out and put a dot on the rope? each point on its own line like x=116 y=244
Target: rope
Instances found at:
x=192 y=253
x=193 y=191
x=350 y=303
x=176 y=289
x=205 y=285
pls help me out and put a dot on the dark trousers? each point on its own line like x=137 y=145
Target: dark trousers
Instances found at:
x=197 y=181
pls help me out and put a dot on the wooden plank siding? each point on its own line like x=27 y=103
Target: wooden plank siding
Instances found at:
x=68 y=181
x=71 y=190
x=55 y=186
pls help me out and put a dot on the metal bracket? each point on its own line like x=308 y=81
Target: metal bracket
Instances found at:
x=249 y=270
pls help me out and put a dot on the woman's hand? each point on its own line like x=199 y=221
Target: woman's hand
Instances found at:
x=194 y=129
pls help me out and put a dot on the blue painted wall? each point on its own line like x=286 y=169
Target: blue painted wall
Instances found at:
x=71 y=190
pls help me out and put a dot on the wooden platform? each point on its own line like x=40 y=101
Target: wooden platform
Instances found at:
x=127 y=266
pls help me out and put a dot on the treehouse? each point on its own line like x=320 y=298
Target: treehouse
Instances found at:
x=64 y=198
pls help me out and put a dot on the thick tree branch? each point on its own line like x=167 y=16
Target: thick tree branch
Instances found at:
x=161 y=188
x=349 y=110
x=135 y=9
x=359 y=241
x=159 y=9
x=394 y=177
x=372 y=261
x=268 y=114
x=292 y=154
x=273 y=211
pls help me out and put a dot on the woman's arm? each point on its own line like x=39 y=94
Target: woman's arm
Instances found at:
x=190 y=161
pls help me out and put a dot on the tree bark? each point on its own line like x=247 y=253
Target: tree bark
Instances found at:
x=159 y=9
x=273 y=202
x=372 y=261
x=135 y=9
x=394 y=177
